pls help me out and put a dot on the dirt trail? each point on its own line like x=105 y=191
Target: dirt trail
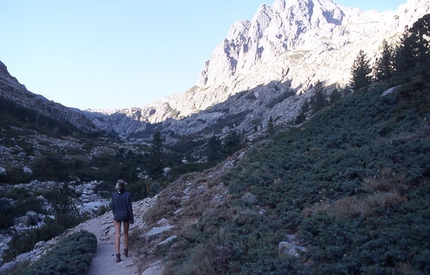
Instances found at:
x=104 y=261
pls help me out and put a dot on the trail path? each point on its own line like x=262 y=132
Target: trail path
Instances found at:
x=104 y=261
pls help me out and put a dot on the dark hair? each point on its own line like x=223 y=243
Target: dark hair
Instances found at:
x=120 y=186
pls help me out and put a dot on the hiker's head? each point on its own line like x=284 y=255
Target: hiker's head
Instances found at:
x=120 y=186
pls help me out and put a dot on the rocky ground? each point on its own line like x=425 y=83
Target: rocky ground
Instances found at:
x=158 y=220
x=104 y=261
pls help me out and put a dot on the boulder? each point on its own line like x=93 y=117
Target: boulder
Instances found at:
x=156 y=232
x=33 y=217
x=27 y=170
x=22 y=221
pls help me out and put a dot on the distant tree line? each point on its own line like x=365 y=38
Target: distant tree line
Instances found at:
x=413 y=50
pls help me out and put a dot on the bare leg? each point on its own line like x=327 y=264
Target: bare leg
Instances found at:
x=126 y=227
x=117 y=235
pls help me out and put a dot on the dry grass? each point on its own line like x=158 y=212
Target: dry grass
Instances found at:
x=200 y=263
x=358 y=206
x=384 y=193
x=389 y=180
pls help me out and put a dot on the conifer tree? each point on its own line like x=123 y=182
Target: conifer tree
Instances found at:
x=414 y=45
x=361 y=71
x=384 y=64
x=404 y=54
x=420 y=33
x=270 y=126
x=232 y=142
x=318 y=101
x=155 y=164
x=335 y=96
x=214 y=149
x=301 y=117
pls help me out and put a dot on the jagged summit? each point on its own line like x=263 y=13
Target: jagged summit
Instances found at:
x=307 y=25
x=291 y=25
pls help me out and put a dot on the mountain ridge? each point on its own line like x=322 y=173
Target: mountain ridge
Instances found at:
x=286 y=48
x=14 y=92
x=321 y=54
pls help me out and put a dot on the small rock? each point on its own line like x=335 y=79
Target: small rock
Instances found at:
x=291 y=249
x=3 y=171
x=163 y=222
x=167 y=240
x=250 y=198
x=39 y=245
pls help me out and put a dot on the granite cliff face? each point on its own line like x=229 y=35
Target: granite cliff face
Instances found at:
x=275 y=57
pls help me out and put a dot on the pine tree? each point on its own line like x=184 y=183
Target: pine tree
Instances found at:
x=384 y=64
x=318 y=101
x=301 y=117
x=155 y=163
x=414 y=45
x=214 y=149
x=361 y=71
x=404 y=55
x=232 y=142
x=270 y=127
x=420 y=33
x=335 y=96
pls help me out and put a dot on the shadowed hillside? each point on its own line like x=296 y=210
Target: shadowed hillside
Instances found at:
x=349 y=189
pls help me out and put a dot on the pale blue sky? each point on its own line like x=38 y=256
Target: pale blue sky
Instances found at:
x=115 y=54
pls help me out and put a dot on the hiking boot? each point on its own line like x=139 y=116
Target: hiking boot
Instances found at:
x=126 y=252
x=118 y=258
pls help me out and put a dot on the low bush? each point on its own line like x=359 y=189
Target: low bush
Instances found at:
x=66 y=216
x=72 y=255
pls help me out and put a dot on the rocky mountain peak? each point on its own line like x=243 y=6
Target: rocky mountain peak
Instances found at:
x=313 y=26
x=286 y=25
x=285 y=48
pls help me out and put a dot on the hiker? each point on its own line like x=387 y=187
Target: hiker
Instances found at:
x=122 y=213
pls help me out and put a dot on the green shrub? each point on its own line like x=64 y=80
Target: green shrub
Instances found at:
x=66 y=216
x=72 y=255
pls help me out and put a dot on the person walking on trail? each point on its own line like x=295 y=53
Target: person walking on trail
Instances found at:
x=122 y=213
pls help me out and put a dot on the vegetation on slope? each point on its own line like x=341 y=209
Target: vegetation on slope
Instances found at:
x=352 y=184
x=73 y=255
